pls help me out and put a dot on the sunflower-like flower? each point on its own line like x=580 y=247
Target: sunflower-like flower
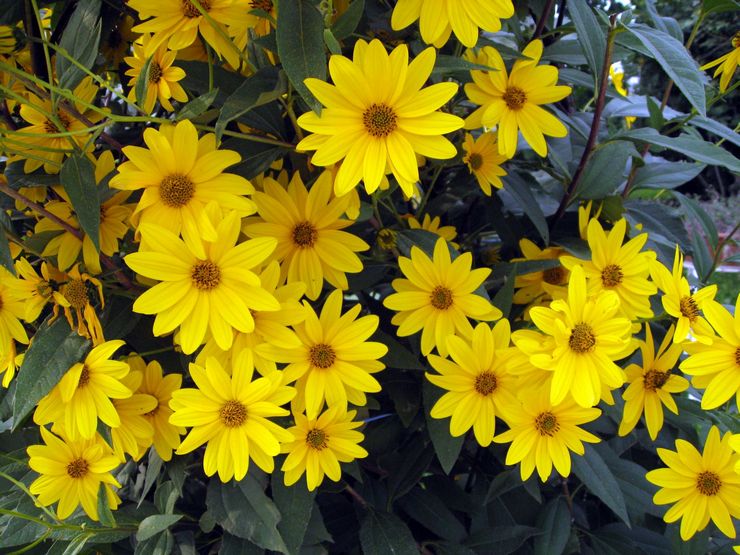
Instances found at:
x=12 y=310
x=726 y=64
x=76 y=298
x=433 y=224
x=700 y=485
x=512 y=102
x=438 y=18
x=484 y=161
x=539 y=288
x=35 y=290
x=161 y=78
x=438 y=296
x=377 y=114
x=135 y=434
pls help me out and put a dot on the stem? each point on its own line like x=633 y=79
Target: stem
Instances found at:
x=356 y=496
x=41 y=211
x=543 y=19
x=428 y=192
x=718 y=253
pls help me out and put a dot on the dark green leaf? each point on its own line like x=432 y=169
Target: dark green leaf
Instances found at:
x=425 y=240
x=142 y=81
x=104 y=512
x=522 y=192
x=719 y=6
x=432 y=513
x=447 y=447
x=159 y=544
x=590 y=35
x=501 y=539
x=166 y=496
x=232 y=545
x=503 y=269
x=665 y=24
x=446 y=64
x=385 y=534
x=596 y=476
x=665 y=175
x=398 y=356
x=154 y=524
x=504 y=296
x=411 y=464
x=78 y=179
x=153 y=468
x=696 y=214
x=17 y=178
x=80 y=39
x=655 y=114
x=700 y=255
x=197 y=106
x=348 y=21
x=78 y=544
x=606 y=169
x=554 y=520
x=256 y=157
x=659 y=220
x=295 y=504
x=6 y=259
x=715 y=127
x=331 y=42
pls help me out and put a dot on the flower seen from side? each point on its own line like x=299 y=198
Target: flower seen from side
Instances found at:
x=726 y=64
x=161 y=77
x=484 y=161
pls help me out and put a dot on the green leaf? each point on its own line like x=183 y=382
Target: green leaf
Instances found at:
x=384 y=533
x=596 y=476
x=590 y=35
x=431 y=512
x=231 y=545
x=694 y=212
x=659 y=220
x=77 y=544
x=300 y=31
x=606 y=169
x=142 y=81
x=153 y=525
x=524 y=267
x=715 y=127
x=446 y=64
x=504 y=296
x=6 y=259
x=398 y=356
x=153 y=469
x=446 y=447
x=104 y=512
x=80 y=39
x=54 y=350
x=665 y=24
x=17 y=178
x=719 y=6
x=78 y=179
x=256 y=157
x=657 y=121
x=425 y=240
x=197 y=106
x=349 y=20
x=411 y=463
x=675 y=61
x=522 y=192
x=501 y=539
x=295 y=504
x=331 y=42
x=665 y=175
x=554 y=520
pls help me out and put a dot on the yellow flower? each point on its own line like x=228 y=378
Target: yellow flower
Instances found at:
x=716 y=367
x=318 y=445
x=623 y=269
x=463 y=17
x=10 y=362
x=84 y=394
x=12 y=310
x=616 y=74
x=448 y=232
x=438 y=296
x=701 y=485
x=215 y=291
x=378 y=114
x=735 y=444
x=8 y=42
x=727 y=64
x=584 y=217
x=230 y=414
x=681 y=303
x=542 y=433
x=478 y=385
x=180 y=175
x=135 y=434
x=161 y=78
x=588 y=338
x=484 y=161
x=545 y=285
x=651 y=385
x=310 y=244
x=75 y=299
x=511 y=101
x=71 y=473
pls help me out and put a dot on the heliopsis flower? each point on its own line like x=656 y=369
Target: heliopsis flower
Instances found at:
x=155 y=384
x=215 y=291
x=76 y=299
x=511 y=102
x=10 y=362
x=544 y=285
x=679 y=301
x=71 y=473
x=478 y=385
x=438 y=296
x=588 y=337
x=727 y=64
x=310 y=244
x=623 y=269
x=700 y=485
x=8 y=43
x=616 y=74
x=135 y=434
x=428 y=223
x=161 y=78
x=462 y=17
x=180 y=175
x=378 y=115
x=651 y=384
x=484 y=161
x=335 y=361
x=542 y=432
x=84 y=394
x=12 y=310
x=716 y=367
x=584 y=217
x=318 y=445
x=230 y=414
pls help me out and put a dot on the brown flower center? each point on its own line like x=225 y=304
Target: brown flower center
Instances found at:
x=206 y=275
x=554 y=276
x=485 y=383
x=51 y=127
x=515 y=98
x=475 y=161
x=379 y=120
x=155 y=72
x=264 y=5
x=736 y=40
x=190 y=11
x=322 y=355
x=708 y=483
x=305 y=235
x=655 y=379
x=76 y=294
x=78 y=468
x=611 y=275
x=582 y=338
x=233 y=414
x=737 y=356
x=441 y=298
x=386 y=239
x=84 y=377
x=546 y=424
x=316 y=439
x=176 y=190
x=689 y=308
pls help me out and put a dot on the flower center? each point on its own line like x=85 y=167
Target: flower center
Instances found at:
x=485 y=383
x=611 y=275
x=655 y=379
x=441 y=298
x=546 y=424
x=78 y=468
x=708 y=483
x=233 y=414
x=736 y=40
x=316 y=439
x=737 y=356
x=554 y=276
x=84 y=377
x=264 y=5
x=386 y=239
x=51 y=127
x=206 y=275
x=76 y=294
x=514 y=98
x=582 y=338
x=322 y=356
x=176 y=190
x=305 y=235
x=155 y=73
x=475 y=161
x=190 y=11
x=379 y=120
x=689 y=309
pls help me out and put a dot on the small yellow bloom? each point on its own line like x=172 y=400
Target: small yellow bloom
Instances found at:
x=447 y=232
x=161 y=78
x=135 y=434
x=484 y=161
x=76 y=299
x=539 y=288
x=727 y=64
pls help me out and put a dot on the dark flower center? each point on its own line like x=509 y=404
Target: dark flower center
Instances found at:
x=546 y=424
x=322 y=356
x=305 y=235
x=78 y=468
x=708 y=483
x=475 y=160
x=441 y=298
x=176 y=190
x=155 y=72
x=554 y=276
x=611 y=275
x=233 y=414
x=486 y=383
x=689 y=308
x=515 y=98
x=76 y=294
x=655 y=379
x=316 y=439
x=379 y=120
x=206 y=275
x=582 y=338
x=190 y=11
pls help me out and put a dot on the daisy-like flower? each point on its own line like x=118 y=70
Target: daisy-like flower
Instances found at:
x=623 y=269
x=71 y=473
x=478 y=385
x=428 y=223
x=542 y=433
x=161 y=78
x=135 y=434
x=180 y=175
x=377 y=114
x=716 y=367
x=84 y=394
x=437 y=19
x=681 y=303
x=318 y=445
x=651 y=384
x=75 y=297
x=484 y=161
x=215 y=291
x=727 y=64
x=334 y=362
x=12 y=310
x=438 y=296
x=700 y=485
x=588 y=337
x=542 y=286
x=511 y=102
x=307 y=226
x=230 y=414
x=584 y=217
